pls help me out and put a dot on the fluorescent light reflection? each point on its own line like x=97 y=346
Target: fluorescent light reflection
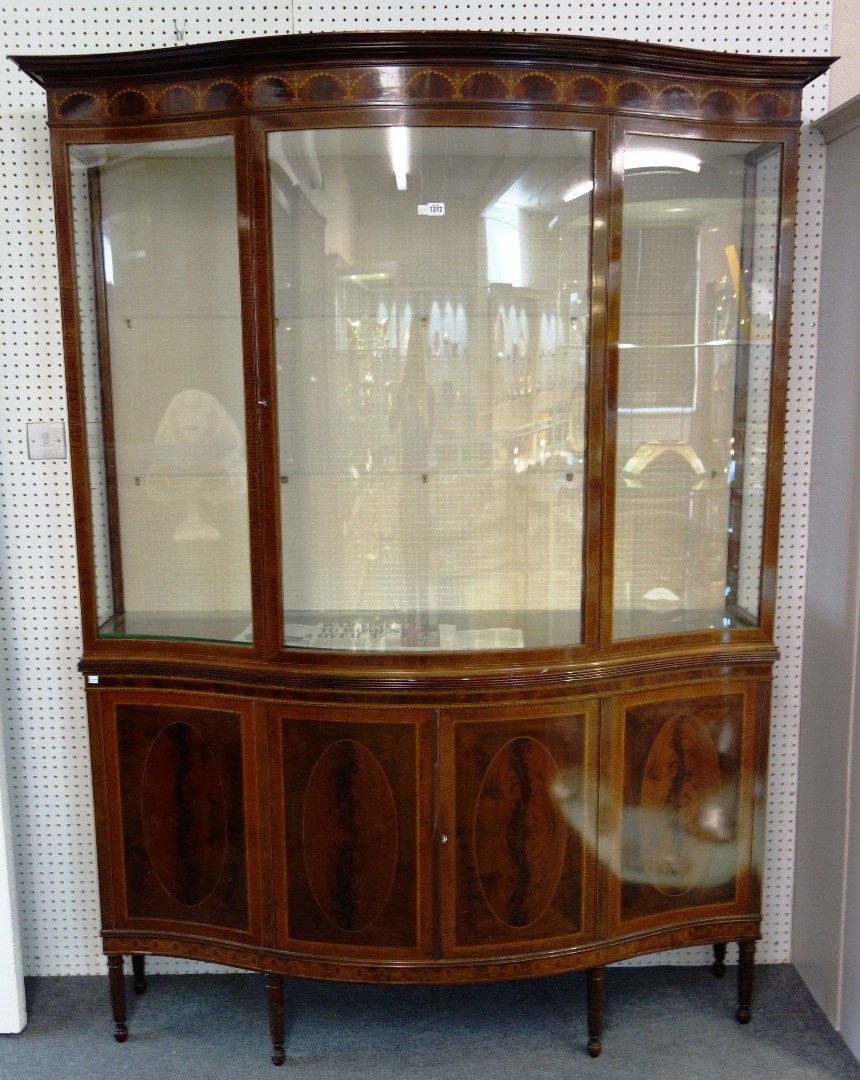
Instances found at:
x=107 y=257
x=398 y=151
x=658 y=157
x=577 y=190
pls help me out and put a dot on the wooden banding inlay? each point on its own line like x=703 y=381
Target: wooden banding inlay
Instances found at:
x=184 y=814
x=680 y=790
x=350 y=835
x=520 y=833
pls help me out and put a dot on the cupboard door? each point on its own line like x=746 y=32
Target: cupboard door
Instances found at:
x=684 y=766
x=180 y=781
x=352 y=830
x=519 y=806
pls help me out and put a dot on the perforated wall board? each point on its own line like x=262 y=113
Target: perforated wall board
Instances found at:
x=42 y=697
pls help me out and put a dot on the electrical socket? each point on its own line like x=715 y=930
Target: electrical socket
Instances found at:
x=46 y=441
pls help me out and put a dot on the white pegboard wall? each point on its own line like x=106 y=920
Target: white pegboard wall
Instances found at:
x=39 y=623
x=766 y=27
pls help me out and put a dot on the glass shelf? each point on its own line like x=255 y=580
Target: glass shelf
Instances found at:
x=440 y=631
x=209 y=626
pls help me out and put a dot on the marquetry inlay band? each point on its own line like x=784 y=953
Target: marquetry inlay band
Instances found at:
x=401 y=84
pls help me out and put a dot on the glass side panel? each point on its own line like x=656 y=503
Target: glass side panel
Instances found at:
x=700 y=232
x=157 y=268
x=431 y=293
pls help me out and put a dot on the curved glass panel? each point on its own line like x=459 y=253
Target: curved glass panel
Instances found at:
x=157 y=274
x=431 y=292
x=700 y=235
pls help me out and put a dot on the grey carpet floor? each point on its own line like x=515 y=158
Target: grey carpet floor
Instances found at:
x=660 y=1023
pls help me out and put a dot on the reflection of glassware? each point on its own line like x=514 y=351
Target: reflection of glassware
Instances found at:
x=370 y=336
x=197 y=456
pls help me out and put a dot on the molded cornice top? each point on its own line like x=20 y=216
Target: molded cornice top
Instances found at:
x=415 y=47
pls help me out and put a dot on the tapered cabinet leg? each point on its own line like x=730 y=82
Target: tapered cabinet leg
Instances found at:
x=595 y=1010
x=745 y=981
x=138 y=967
x=275 y=995
x=719 y=965
x=116 y=976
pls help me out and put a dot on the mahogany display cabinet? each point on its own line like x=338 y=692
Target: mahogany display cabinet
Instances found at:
x=426 y=399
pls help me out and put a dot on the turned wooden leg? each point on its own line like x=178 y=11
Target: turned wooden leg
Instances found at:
x=275 y=994
x=595 y=1010
x=138 y=967
x=745 y=981
x=719 y=965
x=116 y=977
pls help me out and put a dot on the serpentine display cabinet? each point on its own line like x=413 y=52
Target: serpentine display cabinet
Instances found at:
x=426 y=404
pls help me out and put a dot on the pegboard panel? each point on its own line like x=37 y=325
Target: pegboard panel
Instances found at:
x=39 y=625
x=794 y=522
x=768 y=27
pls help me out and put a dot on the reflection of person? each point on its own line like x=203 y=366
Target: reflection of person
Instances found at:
x=412 y=413
x=198 y=455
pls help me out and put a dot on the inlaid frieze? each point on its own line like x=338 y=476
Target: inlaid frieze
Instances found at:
x=443 y=85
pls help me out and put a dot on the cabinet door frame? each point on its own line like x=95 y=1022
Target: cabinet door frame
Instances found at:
x=419 y=114
x=347 y=723
x=750 y=784
x=108 y=782
x=623 y=125
x=523 y=719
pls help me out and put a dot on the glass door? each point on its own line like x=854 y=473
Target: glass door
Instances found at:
x=695 y=347
x=431 y=320
x=160 y=339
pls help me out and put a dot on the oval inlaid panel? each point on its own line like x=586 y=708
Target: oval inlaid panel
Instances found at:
x=349 y=835
x=129 y=103
x=272 y=91
x=483 y=84
x=718 y=105
x=587 y=91
x=224 y=95
x=80 y=107
x=537 y=87
x=520 y=834
x=322 y=88
x=176 y=99
x=184 y=814
x=680 y=795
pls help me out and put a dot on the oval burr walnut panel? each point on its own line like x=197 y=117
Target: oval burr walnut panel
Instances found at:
x=522 y=865
x=184 y=814
x=350 y=835
x=678 y=805
x=682 y=778
x=354 y=831
x=181 y=816
x=520 y=834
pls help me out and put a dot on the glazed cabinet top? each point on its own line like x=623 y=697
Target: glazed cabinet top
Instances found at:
x=459 y=354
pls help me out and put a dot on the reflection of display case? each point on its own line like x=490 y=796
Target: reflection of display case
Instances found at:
x=426 y=402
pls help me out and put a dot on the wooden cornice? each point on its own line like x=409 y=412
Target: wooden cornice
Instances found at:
x=494 y=48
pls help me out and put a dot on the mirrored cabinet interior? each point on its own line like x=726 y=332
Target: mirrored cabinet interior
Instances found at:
x=426 y=400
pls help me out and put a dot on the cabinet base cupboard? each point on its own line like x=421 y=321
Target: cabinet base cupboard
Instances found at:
x=426 y=399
